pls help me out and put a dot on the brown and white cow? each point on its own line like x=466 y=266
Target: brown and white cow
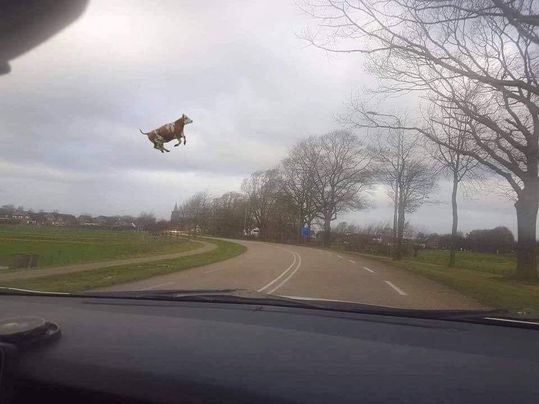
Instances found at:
x=168 y=132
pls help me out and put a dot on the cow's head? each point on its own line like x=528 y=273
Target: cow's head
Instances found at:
x=186 y=119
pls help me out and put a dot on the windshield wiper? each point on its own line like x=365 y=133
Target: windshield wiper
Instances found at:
x=243 y=296
x=252 y=297
x=209 y=296
x=240 y=296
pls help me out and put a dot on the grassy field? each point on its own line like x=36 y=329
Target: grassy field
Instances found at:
x=483 y=277
x=93 y=279
x=58 y=246
x=496 y=264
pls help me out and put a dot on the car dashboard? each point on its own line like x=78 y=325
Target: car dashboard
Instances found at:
x=125 y=350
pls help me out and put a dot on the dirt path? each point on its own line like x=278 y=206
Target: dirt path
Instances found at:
x=38 y=273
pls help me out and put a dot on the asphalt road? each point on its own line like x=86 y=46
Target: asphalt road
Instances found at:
x=312 y=273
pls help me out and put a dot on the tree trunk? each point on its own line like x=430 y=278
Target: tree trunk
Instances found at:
x=300 y=230
x=395 y=222
x=526 y=207
x=327 y=231
x=400 y=231
x=455 y=224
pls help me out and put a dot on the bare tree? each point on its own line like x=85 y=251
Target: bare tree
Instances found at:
x=339 y=166
x=342 y=227
x=458 y=166
x=261 y=189
x=403 y=166
x=443 y=49
x=298 y=183
x=352 y=228
x=145 y=220
x=228 y=214
x=195 y=211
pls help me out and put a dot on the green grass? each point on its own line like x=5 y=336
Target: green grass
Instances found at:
x=485 y=281
x=56 y=246
x=496 y=264
x=93 y=279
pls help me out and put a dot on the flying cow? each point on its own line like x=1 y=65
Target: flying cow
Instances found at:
x=168 y=132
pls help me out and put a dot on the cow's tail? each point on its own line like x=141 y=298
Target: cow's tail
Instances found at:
x=143 y=132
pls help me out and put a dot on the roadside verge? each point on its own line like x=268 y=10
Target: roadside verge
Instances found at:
x=100 y=278
x=492 y=290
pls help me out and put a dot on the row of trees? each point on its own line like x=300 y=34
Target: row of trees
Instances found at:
x=320 y=178
x=374 y=239
x=473 y=65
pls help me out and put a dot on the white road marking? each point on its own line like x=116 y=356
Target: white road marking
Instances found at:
x=158 y=286
x=340 y=256
x=399 y=291
x=368 y=269
x=289 y=275
x=352 y=261
x=281 y=275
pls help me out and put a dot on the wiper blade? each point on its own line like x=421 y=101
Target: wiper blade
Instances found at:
x=249 y=296
x=243 y=296
x=211 y=296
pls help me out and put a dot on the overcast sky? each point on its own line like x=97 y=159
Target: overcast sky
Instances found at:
x=70 y=110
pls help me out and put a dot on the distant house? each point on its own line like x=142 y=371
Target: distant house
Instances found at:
x=85 y=220
x=433 y=241
x=37 y=218
x=20 y=216
x=60 y=219
x=68 y=220
x=13 y=216
x=101 y=220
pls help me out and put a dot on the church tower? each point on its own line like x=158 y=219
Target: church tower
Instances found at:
x=175 y=215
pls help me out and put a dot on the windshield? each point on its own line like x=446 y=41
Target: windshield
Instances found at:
x=373 y=152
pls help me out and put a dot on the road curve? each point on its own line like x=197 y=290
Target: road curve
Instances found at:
x=297 y=271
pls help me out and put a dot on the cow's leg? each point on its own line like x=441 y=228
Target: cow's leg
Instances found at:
x=184 y=139
x=163 y=148
x=179 y=138
x=159 y=144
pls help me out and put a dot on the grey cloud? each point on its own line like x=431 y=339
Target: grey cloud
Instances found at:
x=70 y=110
